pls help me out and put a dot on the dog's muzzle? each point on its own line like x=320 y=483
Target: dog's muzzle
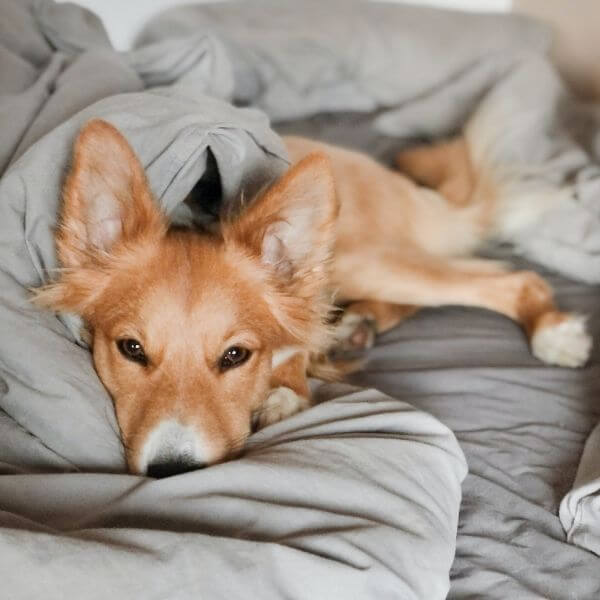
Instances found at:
x=172 y=448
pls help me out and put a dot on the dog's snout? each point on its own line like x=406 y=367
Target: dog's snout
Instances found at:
x=172 y=448
x=161 y=469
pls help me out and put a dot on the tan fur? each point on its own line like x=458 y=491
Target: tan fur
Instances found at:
x=336 y=222
x=385 y=315
x=444 y=167
x=399 y=243
x=292 y=374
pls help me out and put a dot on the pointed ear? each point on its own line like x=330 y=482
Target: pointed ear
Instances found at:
x=76 y=291
x=106 y=198
x=292 y=226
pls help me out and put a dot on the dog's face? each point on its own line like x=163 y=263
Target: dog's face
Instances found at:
x=183 y=340
x=185 y=326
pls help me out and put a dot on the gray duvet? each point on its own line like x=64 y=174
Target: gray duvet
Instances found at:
x=522 y=427
x=359 y=496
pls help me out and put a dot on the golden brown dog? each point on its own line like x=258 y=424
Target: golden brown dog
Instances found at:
x=197 y=335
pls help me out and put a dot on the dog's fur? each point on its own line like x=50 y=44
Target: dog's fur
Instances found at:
x=335 y=223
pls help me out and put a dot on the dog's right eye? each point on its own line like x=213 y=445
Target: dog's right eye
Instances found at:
x=132 y=350
x=233 y=357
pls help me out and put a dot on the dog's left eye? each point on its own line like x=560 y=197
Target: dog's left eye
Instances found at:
x=132 y=350
x=233 y=357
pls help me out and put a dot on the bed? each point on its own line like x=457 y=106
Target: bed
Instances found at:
x=358 y=497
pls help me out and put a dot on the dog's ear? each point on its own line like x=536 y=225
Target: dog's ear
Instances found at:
x=291 y=226
x=106 y=198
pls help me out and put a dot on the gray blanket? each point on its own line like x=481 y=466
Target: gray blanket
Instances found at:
x=358 y=497
x=579 y=509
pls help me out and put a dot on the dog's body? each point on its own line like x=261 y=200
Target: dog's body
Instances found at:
x=194 y=335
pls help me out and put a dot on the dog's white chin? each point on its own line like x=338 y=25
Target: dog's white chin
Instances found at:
x=566 y=344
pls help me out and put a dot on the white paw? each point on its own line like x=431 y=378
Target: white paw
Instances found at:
x=566 y=344
x=282 y=402
x=354 y=332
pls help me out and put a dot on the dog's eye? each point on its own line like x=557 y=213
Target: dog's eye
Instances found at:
x=132 y=350
x=233 y=357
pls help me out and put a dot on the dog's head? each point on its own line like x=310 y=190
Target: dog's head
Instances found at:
x=184 y=325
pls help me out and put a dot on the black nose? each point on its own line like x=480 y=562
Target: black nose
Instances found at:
x=162 y=469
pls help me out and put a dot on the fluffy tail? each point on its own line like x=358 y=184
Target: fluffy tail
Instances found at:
x=459 y=211
x=518 y=191
x=491 y=191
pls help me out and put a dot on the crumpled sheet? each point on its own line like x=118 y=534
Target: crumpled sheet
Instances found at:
x=580 y=508
x=357 y=498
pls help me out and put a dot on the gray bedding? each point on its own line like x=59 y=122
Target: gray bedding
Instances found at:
x=578 y=511
x=522 y=428
x=358 y=497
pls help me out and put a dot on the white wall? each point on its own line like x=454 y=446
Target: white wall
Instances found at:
x=124 y=19
x=577 y=43
x=472 y=5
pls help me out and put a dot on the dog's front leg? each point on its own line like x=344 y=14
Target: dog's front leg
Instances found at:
x=289 y=389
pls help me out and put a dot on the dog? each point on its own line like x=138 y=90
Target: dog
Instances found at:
x=198 y=337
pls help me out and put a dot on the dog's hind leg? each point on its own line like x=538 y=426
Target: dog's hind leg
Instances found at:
x=443 y=166
x=361 y=321
x=555 y=337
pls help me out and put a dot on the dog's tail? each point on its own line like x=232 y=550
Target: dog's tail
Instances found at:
x=518 y=190
x=491 y=192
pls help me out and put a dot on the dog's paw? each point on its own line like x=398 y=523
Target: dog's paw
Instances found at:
x=282 y=402
x=565 y=342
x=353 y=332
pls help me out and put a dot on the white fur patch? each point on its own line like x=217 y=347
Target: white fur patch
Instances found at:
x=282 y=402
x=171 y=440
x=283 y=354
x=566 y=344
